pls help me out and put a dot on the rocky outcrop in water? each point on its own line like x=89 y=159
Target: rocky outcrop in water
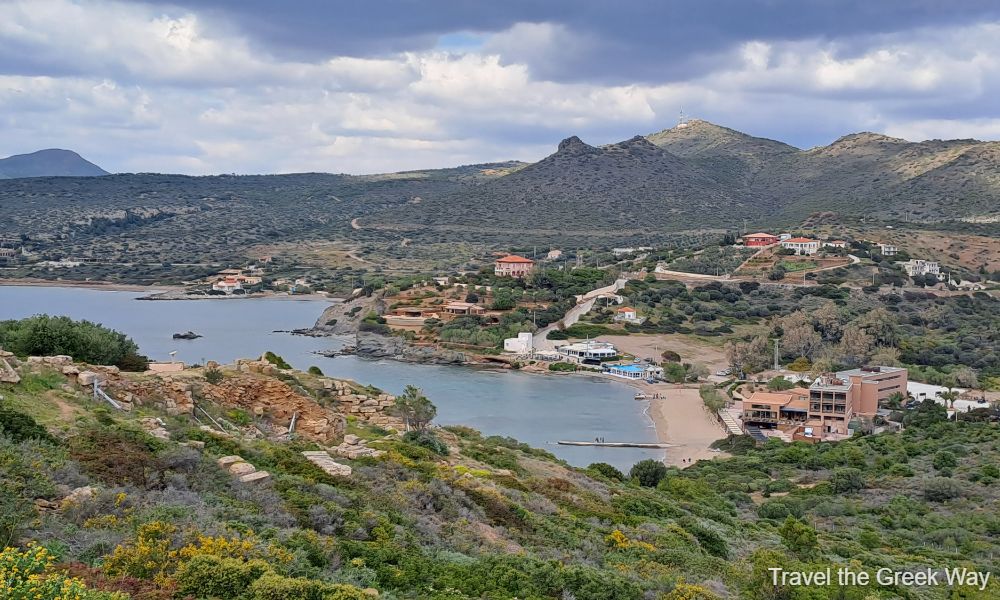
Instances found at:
x=371 y=345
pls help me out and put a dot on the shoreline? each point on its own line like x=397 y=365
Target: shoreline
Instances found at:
x=154 y=290
x=693 y=430
x=677 y=404
x=90 y=285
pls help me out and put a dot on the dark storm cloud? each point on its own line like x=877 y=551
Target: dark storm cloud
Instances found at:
x=604 y=41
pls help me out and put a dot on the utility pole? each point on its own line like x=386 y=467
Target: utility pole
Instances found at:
x=776 y=366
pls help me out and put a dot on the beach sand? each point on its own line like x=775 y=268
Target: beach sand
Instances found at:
x=681 y=419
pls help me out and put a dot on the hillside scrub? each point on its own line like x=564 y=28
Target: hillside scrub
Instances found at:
x=494 y=518
x=84 y=341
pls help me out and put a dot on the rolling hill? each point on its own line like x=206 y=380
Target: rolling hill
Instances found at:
x=700 y=175
x=48 y=163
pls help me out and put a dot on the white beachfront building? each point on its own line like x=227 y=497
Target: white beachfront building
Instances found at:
x=522 y=344
x=635 y=371
x=588 y=350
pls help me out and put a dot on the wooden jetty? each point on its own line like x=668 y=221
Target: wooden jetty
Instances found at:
x=616 y=444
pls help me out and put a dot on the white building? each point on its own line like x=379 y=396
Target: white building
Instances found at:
x=835 y=244
x=635 y=371
x=916 y=267
x=227 y=285
x=522 y=344
x=626 y=313
x=784 y=236
x=888 y=249
x=624 y=251
x=588 y=350
x=801 y=245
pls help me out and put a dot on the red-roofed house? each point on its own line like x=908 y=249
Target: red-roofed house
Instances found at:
x=801 y=245
x=626 y=313
x=759 y=240
x=513 y=266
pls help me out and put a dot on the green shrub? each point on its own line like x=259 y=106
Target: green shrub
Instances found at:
x=275 y=587
x=847 y=479
x=940 y=489
x=945 y=460
x=85 y=341
x=209 y=576
x=779 y=383
x=19 y=427
x=276 y=360
x=648 y=472
x=426 y=438
x=314 y=370
x=606 y=470
x=562 y=367
x=214 y=376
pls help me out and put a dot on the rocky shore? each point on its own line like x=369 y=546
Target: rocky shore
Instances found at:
x=378 y=346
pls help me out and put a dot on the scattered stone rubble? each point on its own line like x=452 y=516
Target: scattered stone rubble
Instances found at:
x=322 y=460
x=155 y=427
x=372 y=410
x=355 y=447
x=242 y=470
x=7 y=372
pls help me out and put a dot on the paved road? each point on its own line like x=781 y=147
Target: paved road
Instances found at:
x=583 y=305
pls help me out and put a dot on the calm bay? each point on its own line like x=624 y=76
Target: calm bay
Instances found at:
x=536 y=409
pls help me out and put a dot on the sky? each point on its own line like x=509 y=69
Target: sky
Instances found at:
x=257 y=86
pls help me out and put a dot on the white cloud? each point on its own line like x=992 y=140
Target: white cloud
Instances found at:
x=143 y=87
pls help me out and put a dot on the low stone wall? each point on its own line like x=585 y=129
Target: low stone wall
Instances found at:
x=164 y=393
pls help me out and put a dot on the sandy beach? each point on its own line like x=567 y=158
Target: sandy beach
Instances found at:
x=680 y=419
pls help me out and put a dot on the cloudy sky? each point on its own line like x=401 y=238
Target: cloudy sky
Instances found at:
x=257 y=86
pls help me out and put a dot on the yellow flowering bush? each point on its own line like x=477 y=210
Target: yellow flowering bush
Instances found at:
x=27 y=575
x=619 y=541
x=152 y=555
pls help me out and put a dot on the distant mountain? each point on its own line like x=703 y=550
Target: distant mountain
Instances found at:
x=48 y=163
x=583 y=188
x=701 y=175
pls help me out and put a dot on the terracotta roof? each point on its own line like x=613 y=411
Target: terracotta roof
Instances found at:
x=626 y=309
x=513 y=258
x=799 y=403
x=798 y=240
x=770 y=398
x=760 y=235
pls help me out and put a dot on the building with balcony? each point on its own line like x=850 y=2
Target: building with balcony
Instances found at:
x=801 y=245
x=915 y=267
x=513 y=266
x=759 y=240
x=836 y=398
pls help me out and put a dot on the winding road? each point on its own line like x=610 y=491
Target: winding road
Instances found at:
x=584 y=303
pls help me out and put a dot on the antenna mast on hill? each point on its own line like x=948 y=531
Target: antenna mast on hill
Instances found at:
x=682 y=120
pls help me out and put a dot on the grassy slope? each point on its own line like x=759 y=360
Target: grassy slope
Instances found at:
x=497 y=519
